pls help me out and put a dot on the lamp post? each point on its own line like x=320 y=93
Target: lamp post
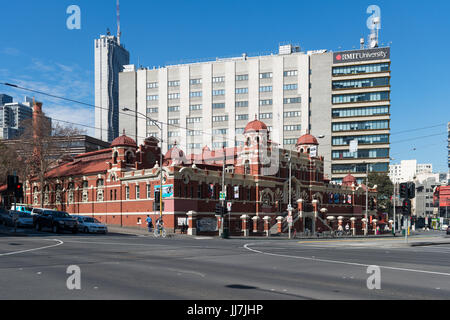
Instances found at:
x=159 y=126
x=289 y=159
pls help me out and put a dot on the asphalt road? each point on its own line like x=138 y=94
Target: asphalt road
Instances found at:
x=139 y=267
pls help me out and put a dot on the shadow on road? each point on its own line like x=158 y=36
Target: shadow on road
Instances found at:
x=245 y=287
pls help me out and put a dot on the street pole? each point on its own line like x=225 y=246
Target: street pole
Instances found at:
x=223 y=188
x=395 y=204
x=366 y=231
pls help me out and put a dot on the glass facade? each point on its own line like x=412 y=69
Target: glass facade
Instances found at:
x=361 y=97
x=359 y=168
x=361 y=83
x=360 y=112
x=361 y=154
x=370 y=139
x=368 y=68
x=361 y=125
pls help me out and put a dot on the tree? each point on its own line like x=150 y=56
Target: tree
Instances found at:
x=10 y=162
x=42 y=146
x=385 y=189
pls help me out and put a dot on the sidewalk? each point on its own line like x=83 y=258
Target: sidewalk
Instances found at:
x=417 y=239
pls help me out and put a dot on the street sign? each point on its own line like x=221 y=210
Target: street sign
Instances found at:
x=313 y=151
x=229 y=204
x=223 y=195
x=353 y=146
x=290 y=220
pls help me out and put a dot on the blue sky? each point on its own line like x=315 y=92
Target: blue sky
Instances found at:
x=38 y=51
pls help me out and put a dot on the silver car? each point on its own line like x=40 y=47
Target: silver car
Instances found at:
x=90 y=225
x=22 y=219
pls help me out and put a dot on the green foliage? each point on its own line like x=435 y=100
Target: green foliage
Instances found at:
x=385 y=189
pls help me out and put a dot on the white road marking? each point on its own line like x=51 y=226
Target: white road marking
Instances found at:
x=36 y=249
x=342 y=262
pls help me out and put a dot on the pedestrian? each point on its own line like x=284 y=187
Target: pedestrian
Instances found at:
x=149 y=223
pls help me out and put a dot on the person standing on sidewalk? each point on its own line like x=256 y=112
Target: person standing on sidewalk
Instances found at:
x=149 y=223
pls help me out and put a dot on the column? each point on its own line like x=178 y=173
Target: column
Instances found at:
x=267 y=225
x=374 y=221
x=219 y=224
x=300 y=215
x=353 y=220
x=245 y=228
x=280 y=224
x=255 y=223
x=315 y=204
x=364 y=221
x=192 y=223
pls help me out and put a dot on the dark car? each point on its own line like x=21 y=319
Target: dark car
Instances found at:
x=448 y=231
x=55 y=220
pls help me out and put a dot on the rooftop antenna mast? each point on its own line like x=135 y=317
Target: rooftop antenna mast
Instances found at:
x=118 y=23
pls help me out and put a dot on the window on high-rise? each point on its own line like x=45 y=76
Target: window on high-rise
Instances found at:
x=361 y=97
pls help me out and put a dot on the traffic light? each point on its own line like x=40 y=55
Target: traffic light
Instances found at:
x=411 y=190
x=156 y=203
x=13 y=181
x=18 y=192
x=404 y=190
x=407 y=207
x=220 y=211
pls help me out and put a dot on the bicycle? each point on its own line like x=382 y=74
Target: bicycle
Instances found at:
x=160 y=232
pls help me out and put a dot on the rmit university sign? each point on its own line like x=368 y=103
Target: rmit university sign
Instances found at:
x=361 y=55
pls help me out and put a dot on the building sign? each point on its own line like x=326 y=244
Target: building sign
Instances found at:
x=362 y=55
x=207 y=225
x=313 y=151
x=167 y=190
x=236 y=192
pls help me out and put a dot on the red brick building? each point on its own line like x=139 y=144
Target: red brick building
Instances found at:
x=117 y=185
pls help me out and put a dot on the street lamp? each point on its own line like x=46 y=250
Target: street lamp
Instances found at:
x=159 y=126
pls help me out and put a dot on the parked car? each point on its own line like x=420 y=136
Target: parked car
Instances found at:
x=444 y=227
x=90 y=225
x=55 y=220
x=3 y=216
x=23 y=208
x=24 y=219
x=448 y=231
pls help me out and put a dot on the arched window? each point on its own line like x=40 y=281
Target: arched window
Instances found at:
x=100 y=183
x=248 y=142
x=115 y=157
x=129 y=157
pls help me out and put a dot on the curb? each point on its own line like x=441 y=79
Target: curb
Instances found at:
x=425 y=244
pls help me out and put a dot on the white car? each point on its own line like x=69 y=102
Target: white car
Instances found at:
x=444 y=227
x=90 y=225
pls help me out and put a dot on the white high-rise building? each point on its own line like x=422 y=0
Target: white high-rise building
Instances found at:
x=110 y=57
x=407 y=170
x=339 y=97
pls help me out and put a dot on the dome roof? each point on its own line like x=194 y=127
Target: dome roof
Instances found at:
x=175 y=152
x=255 y=125
x=307 y=139
x=349 y=180
x=123 y=141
